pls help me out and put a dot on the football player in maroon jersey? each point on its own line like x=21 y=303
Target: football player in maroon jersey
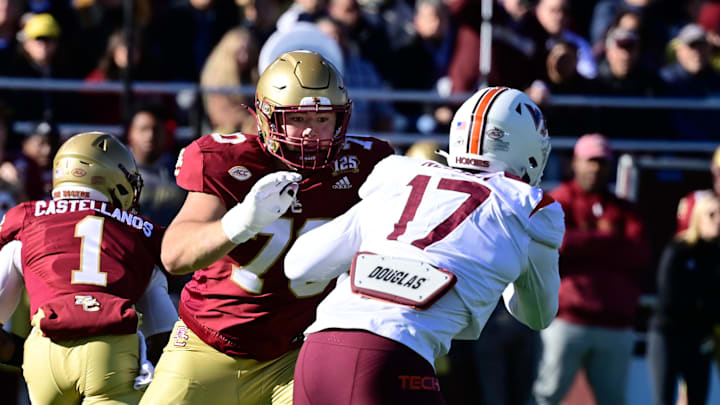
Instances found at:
x=87 y=261
x=241 y=320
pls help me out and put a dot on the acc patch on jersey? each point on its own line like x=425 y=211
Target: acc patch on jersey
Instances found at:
x=240 y=173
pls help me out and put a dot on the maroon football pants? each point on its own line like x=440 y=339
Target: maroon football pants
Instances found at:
x=342 y=367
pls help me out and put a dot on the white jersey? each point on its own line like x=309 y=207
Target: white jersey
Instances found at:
x=497 y=235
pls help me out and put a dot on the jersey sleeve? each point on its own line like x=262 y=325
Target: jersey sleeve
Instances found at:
x=326 y=251
x=11 y=279
x=159 y=314
x=533 y=297
x=189 y=173
x=547 y=223
x=12 y=223
x=378 y=177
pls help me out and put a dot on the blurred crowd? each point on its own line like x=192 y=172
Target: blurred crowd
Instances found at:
x=641 y=48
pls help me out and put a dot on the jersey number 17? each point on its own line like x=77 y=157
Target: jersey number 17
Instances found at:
x=477 y=194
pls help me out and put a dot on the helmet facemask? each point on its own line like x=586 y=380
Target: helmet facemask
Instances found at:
x=301 y=82
x=297 y=151
x=136 y=183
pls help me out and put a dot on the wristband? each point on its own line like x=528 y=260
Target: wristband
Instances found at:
x=235 y=225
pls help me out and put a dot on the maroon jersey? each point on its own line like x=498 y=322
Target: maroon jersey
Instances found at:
x=242 y=304
x=85 y=264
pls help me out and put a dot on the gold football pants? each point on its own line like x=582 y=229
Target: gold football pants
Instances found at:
x=192 y=372
x=94 y=370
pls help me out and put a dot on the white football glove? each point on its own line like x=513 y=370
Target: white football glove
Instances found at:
x=268 y=199
x=146 y=371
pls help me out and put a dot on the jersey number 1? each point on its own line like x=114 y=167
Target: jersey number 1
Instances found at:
x=478 y=193
x=90 y=231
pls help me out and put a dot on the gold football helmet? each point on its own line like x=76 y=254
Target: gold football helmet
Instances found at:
x=301 y=81
x=98 y=161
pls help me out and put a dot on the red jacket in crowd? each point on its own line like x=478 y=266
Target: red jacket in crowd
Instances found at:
x=603 y=260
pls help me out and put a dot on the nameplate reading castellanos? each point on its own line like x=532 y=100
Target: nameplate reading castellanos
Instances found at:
x=398 y=280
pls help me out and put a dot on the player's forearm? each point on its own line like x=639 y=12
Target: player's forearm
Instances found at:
x=533 y=297
x=191 y=246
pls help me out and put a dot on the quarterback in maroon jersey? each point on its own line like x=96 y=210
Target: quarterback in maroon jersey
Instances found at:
x=249 y=199
x=87 y=260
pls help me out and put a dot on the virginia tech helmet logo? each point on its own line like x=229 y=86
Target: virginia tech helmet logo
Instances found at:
x=240 y=173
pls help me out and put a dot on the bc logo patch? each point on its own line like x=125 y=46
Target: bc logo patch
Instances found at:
x=181 y=337
x=88 y=302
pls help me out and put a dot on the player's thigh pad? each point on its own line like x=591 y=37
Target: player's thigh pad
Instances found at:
x=99 y=369
x=190 y=371
x=358 y=367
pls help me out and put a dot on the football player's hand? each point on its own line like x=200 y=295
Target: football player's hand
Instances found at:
x=268 y=199
x=146 y=372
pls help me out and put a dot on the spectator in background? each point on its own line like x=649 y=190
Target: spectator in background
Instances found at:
x=691 y=76
x=301 y=10
x=369 y=37
x=656 y=19
x=603 y=262
x=9 y=175
x=39 y=56
x=562 y=74
x=686 y=204
x=114 y=62
x=681 y=327
x=422 y=62
x=233 y=62
x=9 y=23
x=98 y=20
x=709 y=19
x=562 y=77
x=368 y=115
x=181 y=39
x=393 y=17
x=147 y=139
x=606 y=13
x=431 y=48
x=621 y=73
x=260 y=16
x=553 y=16
x=35 y=161
x=107 y=107
x=514 y=27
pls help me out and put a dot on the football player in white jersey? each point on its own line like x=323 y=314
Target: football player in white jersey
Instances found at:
x=430 y=250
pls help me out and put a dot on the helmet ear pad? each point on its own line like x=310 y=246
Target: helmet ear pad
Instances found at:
x=100 y=162
x=500 y=129
x=301 y=82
